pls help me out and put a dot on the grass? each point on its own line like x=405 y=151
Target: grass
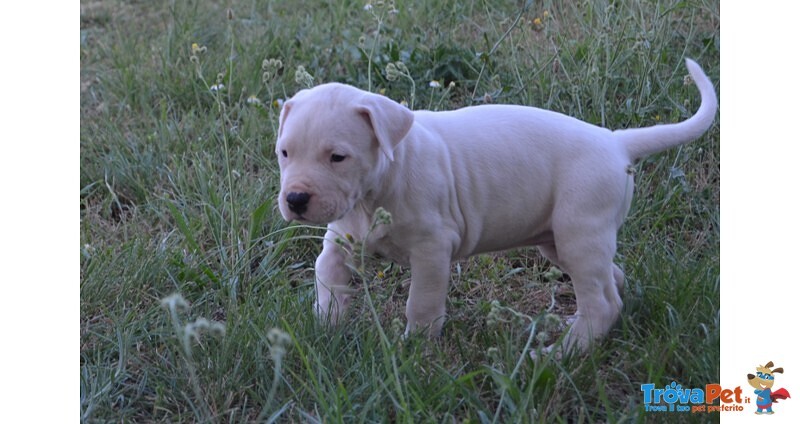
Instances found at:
x=178 y=186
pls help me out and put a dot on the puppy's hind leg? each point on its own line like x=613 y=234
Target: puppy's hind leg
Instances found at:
x=587 y=256
x=619 y=278
x=549 y=252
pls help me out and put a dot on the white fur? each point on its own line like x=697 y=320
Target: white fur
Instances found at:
x=463 y=182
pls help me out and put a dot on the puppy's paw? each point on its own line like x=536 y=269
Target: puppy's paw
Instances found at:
x=431 y=329
x=553 y=352
x=331 y=309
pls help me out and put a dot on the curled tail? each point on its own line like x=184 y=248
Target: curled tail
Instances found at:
x=641 y=142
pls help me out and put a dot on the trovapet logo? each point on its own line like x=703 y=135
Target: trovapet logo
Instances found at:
x=714 y=398
x=674 y=398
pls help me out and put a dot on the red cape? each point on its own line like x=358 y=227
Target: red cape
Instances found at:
x=779 y=394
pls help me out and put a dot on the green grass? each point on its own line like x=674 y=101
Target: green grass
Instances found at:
x=178 y=187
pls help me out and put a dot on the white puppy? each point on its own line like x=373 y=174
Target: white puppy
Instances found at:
x=458 y=183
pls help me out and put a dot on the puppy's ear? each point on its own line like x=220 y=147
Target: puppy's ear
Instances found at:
x=389 y=120
x=284 y=113
x=287 y=107
x=778 y=370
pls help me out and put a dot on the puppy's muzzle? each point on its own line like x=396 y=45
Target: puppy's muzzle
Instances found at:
x=298 y=202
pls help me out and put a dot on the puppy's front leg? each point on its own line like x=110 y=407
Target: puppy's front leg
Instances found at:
x=430 y=275
x=332 y=280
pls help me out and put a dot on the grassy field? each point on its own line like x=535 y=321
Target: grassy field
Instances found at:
x=196 y=296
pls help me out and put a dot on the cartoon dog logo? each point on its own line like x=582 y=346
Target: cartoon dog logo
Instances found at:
x=762 y=382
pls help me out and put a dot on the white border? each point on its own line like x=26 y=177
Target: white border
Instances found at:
x=40 y=173
x=760 y=195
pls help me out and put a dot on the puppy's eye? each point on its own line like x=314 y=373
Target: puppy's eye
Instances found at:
x=283 y=152
x=337 y=158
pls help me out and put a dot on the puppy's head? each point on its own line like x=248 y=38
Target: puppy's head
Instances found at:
x=334 y=142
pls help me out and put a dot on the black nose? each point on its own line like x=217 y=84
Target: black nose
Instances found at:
x=298 y=202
